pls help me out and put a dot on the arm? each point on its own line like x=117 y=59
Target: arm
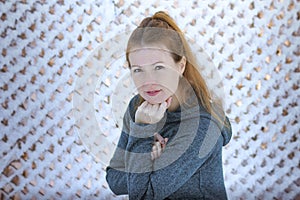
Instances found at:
x=116 y=175
x=182 y=157
x=116 y=172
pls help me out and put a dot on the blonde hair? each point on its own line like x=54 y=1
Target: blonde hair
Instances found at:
x=163 y=21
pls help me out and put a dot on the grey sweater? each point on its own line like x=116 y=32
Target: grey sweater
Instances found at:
x=190 y=166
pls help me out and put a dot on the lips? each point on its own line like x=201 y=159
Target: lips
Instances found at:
x=153 y=92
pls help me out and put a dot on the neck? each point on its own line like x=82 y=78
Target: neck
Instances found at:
x=175 y=101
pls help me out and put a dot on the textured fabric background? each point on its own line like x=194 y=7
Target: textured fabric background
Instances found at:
x=46 y=143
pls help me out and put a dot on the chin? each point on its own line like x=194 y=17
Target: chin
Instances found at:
x=155 y=100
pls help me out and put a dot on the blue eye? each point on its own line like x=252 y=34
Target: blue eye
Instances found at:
x=159 y=67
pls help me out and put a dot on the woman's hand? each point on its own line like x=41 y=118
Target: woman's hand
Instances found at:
x=158 y=146
x=151 y=113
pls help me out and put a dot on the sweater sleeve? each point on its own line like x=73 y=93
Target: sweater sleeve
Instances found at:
x=117 y=171
x=116 y=175
x=182 y=157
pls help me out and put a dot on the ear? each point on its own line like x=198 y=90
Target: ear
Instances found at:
x=182 y=64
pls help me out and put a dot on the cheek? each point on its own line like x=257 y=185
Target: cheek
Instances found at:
x=138 y=81
x=170 y=82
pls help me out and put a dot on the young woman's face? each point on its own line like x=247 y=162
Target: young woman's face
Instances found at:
x=155 y=74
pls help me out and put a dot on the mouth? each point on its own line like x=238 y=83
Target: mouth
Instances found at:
x=153 y=92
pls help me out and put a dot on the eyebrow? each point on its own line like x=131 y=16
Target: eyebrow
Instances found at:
x=150 y=64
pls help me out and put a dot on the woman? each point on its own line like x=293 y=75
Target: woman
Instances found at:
x=172 y=137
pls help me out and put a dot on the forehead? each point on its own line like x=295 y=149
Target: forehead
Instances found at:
x=148 y=56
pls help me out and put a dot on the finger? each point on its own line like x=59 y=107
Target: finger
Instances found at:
x=159 y=138
x=158 y=150
x=162 y=107
x=155 y=108
x=166 y=140
x=150 y=109
x=155 y=151
x=158 y=146
x=163 y=146
x=143 y=105
x=146 y=106
x=152 y=156
x=169 y=101
x=147 y=111
x=154 y=147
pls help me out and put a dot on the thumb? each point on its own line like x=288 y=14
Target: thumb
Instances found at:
x=166 y=140
x=169 y=101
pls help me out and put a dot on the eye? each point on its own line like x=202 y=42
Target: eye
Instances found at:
x=159 y=67
x=136 y=70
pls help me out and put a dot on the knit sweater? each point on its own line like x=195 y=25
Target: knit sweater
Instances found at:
x=190 y=166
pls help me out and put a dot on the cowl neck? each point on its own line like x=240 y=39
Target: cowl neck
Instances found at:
x=184 y=113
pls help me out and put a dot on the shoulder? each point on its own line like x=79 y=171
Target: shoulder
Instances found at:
x=134 y=101
x=216 y=127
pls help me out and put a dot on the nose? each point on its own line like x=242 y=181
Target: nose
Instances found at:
x=149 y=78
